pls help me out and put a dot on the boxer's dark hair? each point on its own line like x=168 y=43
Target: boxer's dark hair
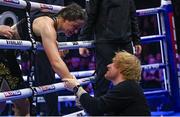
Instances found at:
x=72 y=12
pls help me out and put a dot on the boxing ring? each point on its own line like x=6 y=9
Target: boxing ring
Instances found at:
x=166 y=38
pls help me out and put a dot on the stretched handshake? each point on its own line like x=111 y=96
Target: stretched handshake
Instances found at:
x=73 y=85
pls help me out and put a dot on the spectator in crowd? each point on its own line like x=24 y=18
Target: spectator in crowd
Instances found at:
x=152 y=78
x=75 y=62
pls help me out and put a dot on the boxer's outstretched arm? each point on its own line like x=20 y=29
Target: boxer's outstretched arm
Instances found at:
x=48 y=35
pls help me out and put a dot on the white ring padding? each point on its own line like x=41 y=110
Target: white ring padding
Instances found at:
x=23 y=93
x=26 y=45
x=8 y=14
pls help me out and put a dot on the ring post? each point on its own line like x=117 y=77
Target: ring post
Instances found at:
x=172 y=52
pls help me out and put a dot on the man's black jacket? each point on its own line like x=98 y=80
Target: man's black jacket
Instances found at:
x=124 y=99
x=111 y=21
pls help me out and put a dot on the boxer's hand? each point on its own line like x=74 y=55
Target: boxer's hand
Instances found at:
x=70 y=83
x=138 y=49
x=84 y=52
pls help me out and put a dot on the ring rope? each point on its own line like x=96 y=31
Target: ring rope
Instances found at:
x=53 y=87
x=76 y=74
x=149 y=11
x=153 y=66
x=25 y=45
x=55 y=9
x=91 y=72
x=72 y=97
x=21 y=4
x=27 y=92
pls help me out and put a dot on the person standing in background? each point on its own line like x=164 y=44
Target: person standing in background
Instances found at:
x=113 y=25
x=44 y=69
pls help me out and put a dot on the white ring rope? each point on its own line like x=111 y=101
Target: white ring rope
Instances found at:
x=153 y=66
x=11 y=95
x=55 y=9
x=150 y=11
x=21 y=4
x=16 y=94
x=25 y=45
x=76 y=74
x=80 y=74
x=72 y=97
x=91 y=72
x=27 y=92
x=153 y=38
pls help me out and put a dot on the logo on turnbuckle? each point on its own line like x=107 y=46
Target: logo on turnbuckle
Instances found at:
x=12 y=1
x=12 y=93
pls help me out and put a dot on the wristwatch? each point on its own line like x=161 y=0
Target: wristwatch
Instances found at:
x=75 y=89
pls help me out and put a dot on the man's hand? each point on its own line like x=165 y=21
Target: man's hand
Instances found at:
x=70 y=83
x=6 y=31
x=138 y=49
x=84 y=52
x=63 y=53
